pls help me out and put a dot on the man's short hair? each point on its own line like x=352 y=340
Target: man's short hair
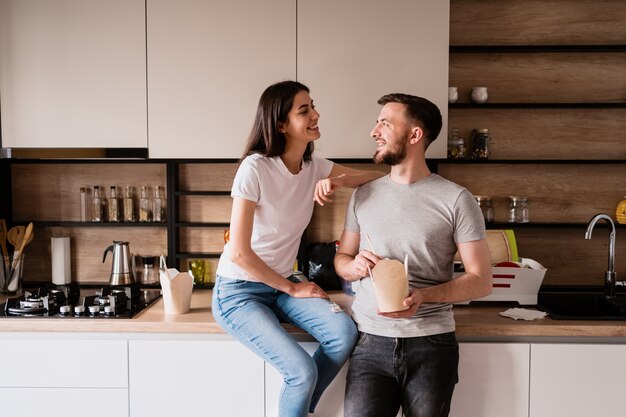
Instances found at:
x=418 y=110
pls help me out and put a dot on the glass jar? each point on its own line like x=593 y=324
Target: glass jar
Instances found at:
x=480 y=144
x=456 y=145
x=518 y=210
x=486 y=207
x=620 y=211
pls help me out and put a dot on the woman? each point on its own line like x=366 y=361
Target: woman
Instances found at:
x=272 y=205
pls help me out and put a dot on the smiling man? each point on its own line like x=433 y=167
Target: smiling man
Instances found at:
x=409 y=358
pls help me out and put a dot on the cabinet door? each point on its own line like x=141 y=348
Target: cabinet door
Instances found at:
x=577 y=380
x=493 y=380
x=64 y=402
x=208 y=63
x=73 y=73
x=192 y=378
x=350 y=53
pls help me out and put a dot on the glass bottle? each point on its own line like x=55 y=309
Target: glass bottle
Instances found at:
x=129 y=205
x=480 y=144
x=83 y=204
x=113 y=206
x=157 y=205
x=96 y=205
x=144 y=206
x=456 y=145
x=518 y=210
x=486 y=207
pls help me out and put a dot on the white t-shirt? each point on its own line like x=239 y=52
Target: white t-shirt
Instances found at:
x=284 y=206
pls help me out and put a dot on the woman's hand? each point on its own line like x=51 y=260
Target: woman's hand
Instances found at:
x=308 y=290
x=327 y=187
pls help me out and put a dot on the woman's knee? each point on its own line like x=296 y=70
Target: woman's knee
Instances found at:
x=304 y=373
x=345 y=335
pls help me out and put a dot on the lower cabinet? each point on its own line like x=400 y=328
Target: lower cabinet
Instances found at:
x=493 y=380
x=194 y=378
x=577 y=380
x=60 y=377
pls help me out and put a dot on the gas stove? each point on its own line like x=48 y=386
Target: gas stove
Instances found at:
x=80 y=301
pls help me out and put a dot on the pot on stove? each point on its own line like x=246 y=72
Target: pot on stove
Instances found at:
x=121 y=268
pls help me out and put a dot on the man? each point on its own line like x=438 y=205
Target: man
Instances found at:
x=409 y=358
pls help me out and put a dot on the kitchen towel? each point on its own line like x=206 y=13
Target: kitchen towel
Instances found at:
x=61 y=260
x=523 y=314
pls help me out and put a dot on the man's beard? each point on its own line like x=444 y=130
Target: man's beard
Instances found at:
x=392 y=157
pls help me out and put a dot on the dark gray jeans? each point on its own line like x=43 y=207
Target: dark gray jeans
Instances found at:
x=417 y=373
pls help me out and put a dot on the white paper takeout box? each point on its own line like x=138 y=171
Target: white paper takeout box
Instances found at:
x=391 y=285
x=515 y=284
x=176 y=287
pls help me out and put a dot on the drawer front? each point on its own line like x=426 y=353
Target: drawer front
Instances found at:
x=64 y=402
x=42 y=363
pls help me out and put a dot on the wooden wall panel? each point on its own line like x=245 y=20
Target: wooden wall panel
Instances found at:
x=547 y=133
x=558 y=193
x=202 y=239
x=537 y=22
x=194 y=208
x=591 y=77
x=52 y=191
x=87 y=247
x=207 y=177
x=569 y=258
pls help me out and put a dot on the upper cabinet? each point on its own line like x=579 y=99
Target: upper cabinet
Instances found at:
x=350 y=53
x=73 y=73
x=208 y=63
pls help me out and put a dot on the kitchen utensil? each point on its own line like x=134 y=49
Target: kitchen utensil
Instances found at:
x=121 y=267
x=22 y=240
x=3 y=237
x=11 y=273
x=15 y=235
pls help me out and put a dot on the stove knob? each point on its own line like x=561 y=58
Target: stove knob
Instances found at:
x=65 y=311
x=79 y=311
x=109 y=311
x=94 y=311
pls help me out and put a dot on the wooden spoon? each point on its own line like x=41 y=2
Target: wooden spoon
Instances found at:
x=16 y=234
x=3 y=237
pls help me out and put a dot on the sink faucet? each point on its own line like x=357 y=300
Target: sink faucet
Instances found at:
x=609 y=276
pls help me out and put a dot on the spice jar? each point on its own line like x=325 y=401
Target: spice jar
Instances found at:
x=486 y=207
x=456 y=145
x=480 y=144
x=518 y=210
x=620 y=211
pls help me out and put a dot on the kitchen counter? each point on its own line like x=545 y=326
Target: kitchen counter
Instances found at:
x=473 y=322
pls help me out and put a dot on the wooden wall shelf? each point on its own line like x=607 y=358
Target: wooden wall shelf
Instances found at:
x=537 y=105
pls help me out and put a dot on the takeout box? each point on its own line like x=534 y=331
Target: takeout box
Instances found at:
x=515 y=284
x=176 y=287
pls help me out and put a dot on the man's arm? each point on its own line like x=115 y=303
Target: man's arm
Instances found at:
x=350 y=264
x=476 y=282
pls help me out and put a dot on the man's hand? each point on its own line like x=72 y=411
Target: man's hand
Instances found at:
x=362 y=261
x=413 y=301
x=326 y=187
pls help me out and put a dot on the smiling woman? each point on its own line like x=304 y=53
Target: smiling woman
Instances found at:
x=273 y=194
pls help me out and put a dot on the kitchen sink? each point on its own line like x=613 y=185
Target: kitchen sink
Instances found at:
x=575 y=305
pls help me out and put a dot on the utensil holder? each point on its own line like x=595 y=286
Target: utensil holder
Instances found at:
x=11 y=273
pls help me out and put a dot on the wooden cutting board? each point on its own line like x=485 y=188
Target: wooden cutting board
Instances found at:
x=502 y=246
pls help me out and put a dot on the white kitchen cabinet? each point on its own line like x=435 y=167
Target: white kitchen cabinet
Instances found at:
x=577 y=380
x=217 y=378
x=493 y=380
x=73 y=73
x=64 y=402
x=208 y=63
x=352 y=52
x=66 y=376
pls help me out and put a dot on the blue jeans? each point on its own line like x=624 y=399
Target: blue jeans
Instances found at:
x=251 y=312
x=417 y=373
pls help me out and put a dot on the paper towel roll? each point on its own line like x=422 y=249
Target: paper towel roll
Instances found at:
x=61 y=261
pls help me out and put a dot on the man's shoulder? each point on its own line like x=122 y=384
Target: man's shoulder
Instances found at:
x=371 y=187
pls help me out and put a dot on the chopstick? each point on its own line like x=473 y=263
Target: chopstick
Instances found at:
x=370 y=243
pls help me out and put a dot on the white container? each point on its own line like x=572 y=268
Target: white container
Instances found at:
x=479 y=95
x=453 y=94
x=515 y=284
x=61 y=260
x=176 y=287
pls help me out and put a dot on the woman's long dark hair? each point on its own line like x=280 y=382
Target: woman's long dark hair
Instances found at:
x=274 y=106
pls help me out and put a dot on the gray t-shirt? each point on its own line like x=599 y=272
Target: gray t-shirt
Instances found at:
x=423 y=220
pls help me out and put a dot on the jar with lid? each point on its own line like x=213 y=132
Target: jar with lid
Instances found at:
x=480 y=144
x=620 y=211
x=486 y=207
x=456 y=145
x=518 y=210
